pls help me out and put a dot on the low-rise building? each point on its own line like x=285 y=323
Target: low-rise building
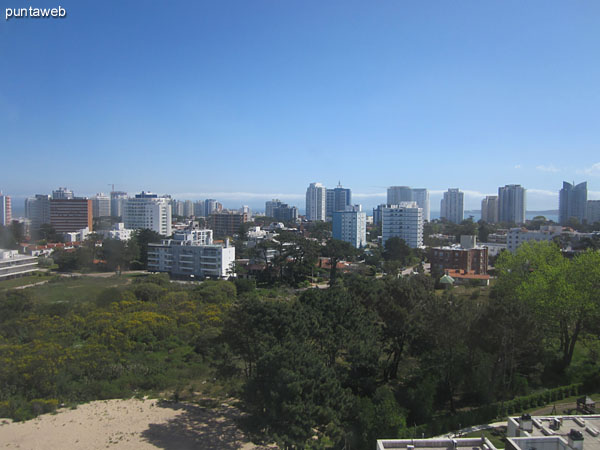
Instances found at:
x=13 y=264
x=517 y=236
x=76 y=236
x=467 y=258
x=118 y=232
x=192 y=254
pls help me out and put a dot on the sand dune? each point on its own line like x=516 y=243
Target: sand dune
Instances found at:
x=129 y=424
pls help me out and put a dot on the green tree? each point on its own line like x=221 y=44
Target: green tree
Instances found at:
x=143 y=238
x=337 y=251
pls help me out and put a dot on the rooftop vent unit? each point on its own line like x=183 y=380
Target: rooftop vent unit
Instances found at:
x=526 y=423
x=555 y=423
x=575 y=439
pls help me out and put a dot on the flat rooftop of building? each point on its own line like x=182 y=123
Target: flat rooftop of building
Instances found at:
x=546 y=427
x=435 y=444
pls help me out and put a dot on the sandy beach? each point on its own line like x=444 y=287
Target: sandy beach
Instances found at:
x=128 y=424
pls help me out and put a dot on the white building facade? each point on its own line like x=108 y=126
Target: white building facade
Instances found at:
x=517 y=236
x=192 y=254
x=147 y=210
x=101 y=205
x=452 y=206
x=316 y=202
x=404 y=221
x=13 y=265
x=421 y=196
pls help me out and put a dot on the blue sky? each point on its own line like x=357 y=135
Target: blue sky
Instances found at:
x=243 y=100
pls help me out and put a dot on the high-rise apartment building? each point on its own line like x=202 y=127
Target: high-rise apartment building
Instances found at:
x=226 y=223
x=148 y=211
x=337 y=200
x=285 y=213
x=421 y=196
x=117 y=198
x=199 y=208
x=37 y=210
x=452 y=206
x=210 y=206
x=101 y=205
x=188 y=208
x=316 y=202
x=399 y=194
x=572 y=202
x=489 y=209
x=5 y=210
x=593 y=211
x=270 y=206
x=69 y=215
x=511 y=204
x=350 y=226
x=62 y=193
x=404 y=220
x=176 y=207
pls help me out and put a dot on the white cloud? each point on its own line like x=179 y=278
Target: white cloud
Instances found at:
x=518 y=166
x=542 y=192
x=549 y=168
x=593 y=195
x=236 y=195
x=594 y=169
x=375 y=195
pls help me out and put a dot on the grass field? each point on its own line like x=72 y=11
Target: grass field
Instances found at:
x=24 y=281
x=76 y=289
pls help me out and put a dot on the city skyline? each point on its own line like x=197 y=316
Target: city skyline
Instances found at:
x=537 y=200
x=272 y=95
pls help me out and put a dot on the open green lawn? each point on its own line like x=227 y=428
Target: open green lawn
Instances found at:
x=24 y=281
x=77 y=288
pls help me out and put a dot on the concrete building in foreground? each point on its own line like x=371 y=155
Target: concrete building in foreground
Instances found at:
x=553 y=432
x=405 y=221
x=580 y=432
x=148 y=211
x=191 y=254
x=13 y=265
x=481 y=443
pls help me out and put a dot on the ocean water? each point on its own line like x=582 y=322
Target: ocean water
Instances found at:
x=529 y=215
